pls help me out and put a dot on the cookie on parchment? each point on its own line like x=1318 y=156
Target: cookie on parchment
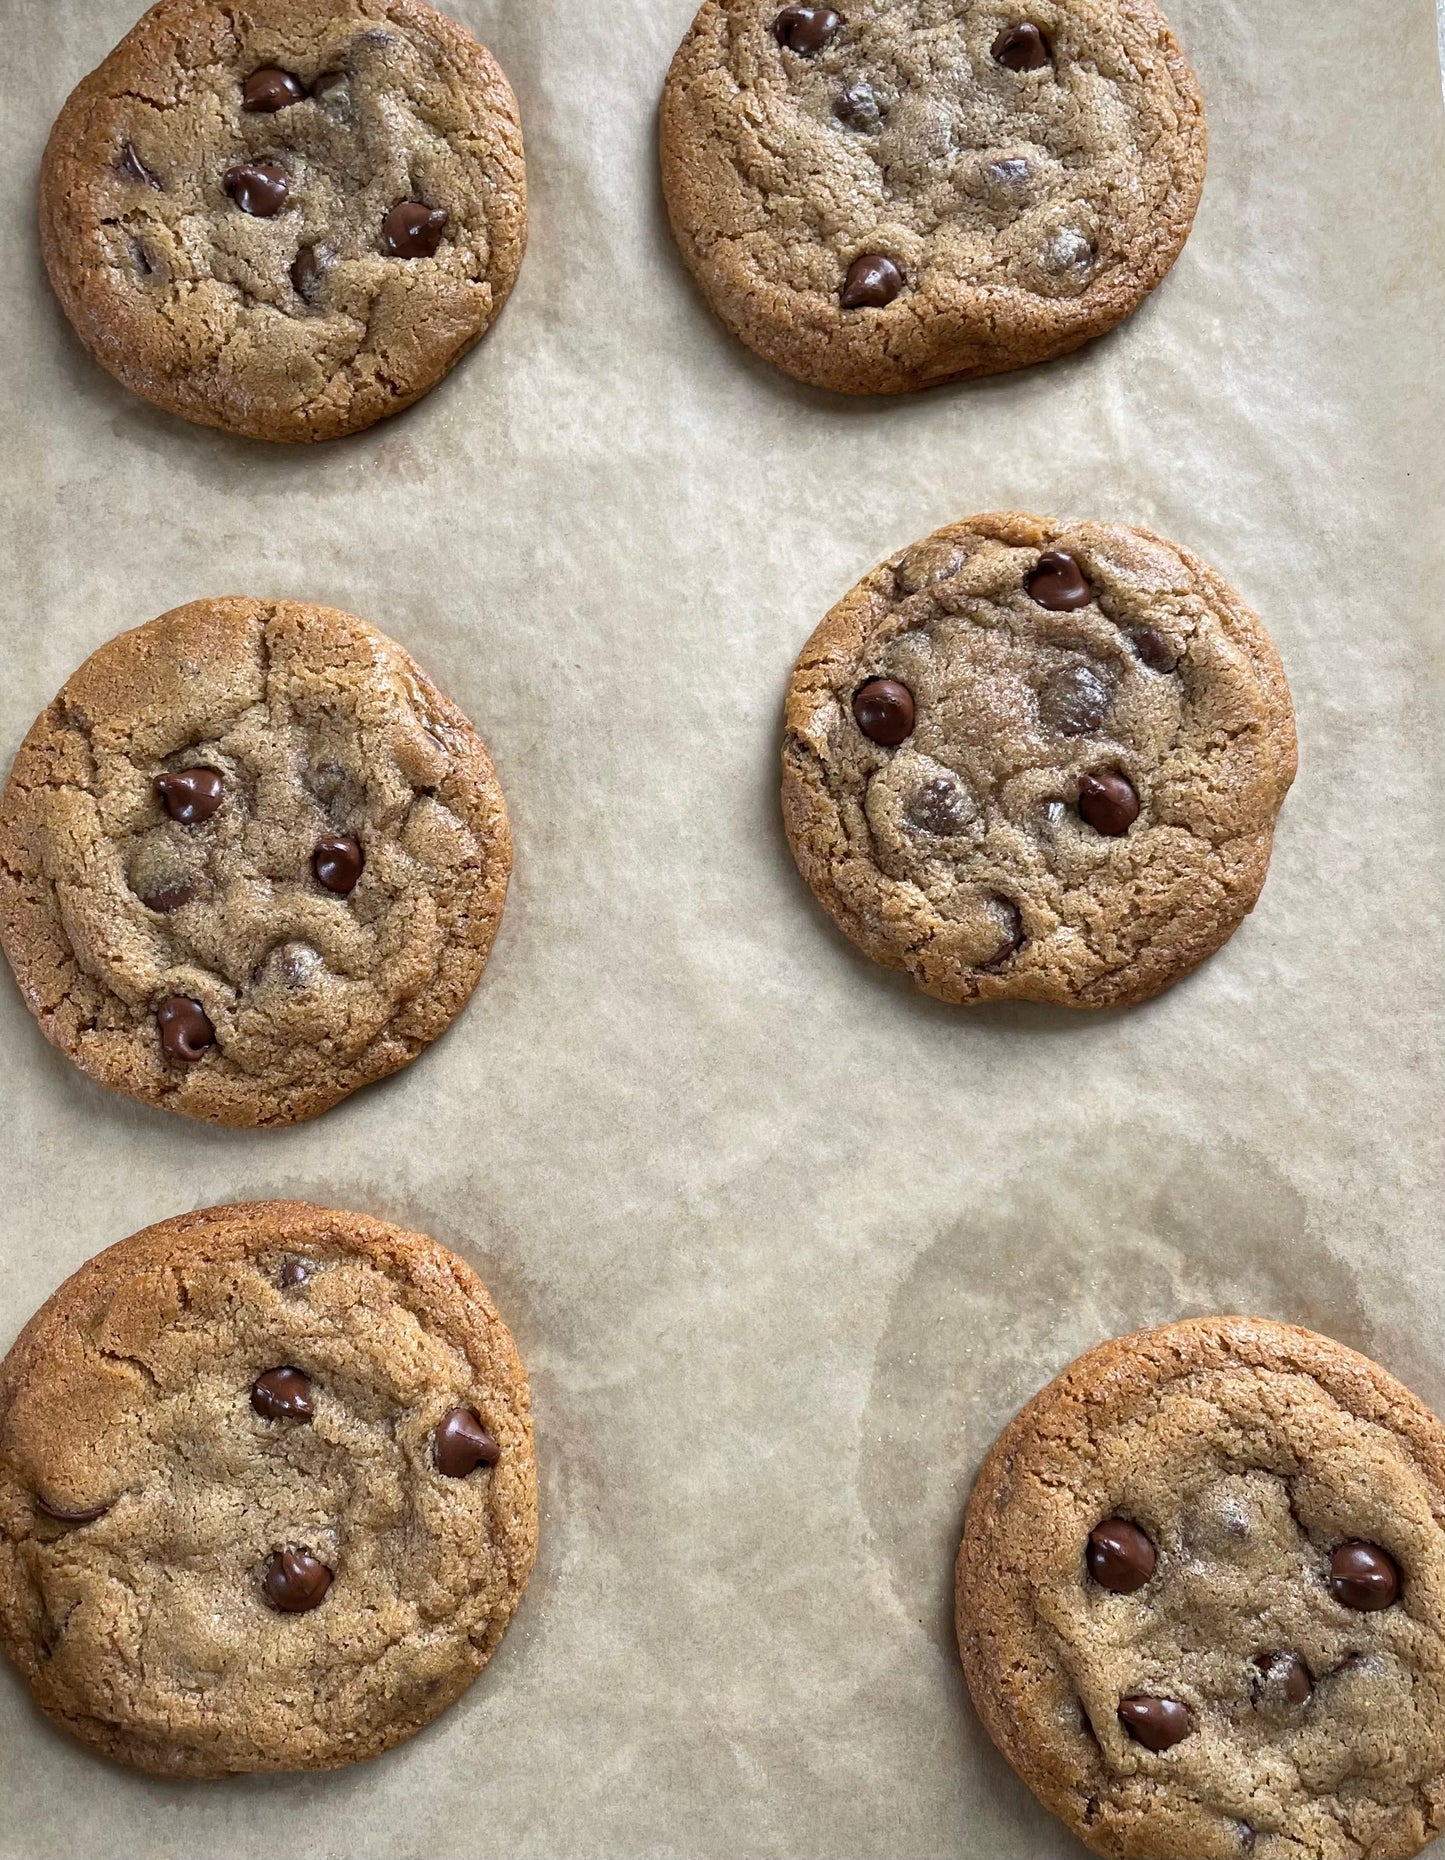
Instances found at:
x=288 y=219
x=1036 y=760
x=892 y=193
x=1201 y=1598
x=267 y=1491
x=250 y=859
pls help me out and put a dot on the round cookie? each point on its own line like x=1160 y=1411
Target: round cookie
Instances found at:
x=288 y=219
x=1037 y=761
x=1201 y=1598
x=250 y=859
x=267 y=1491
x=894 y=193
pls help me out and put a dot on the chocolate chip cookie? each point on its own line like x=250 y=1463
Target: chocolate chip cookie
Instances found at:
x=250 y=859
x=894 y=193
x=267 y=1491
x=1038 y=760
x=1201 y=1598
x=287 y=219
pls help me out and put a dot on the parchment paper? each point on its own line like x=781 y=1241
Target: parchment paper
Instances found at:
x=782 y=1242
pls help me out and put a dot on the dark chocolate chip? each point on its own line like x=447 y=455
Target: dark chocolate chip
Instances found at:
x=307 y=271
x=1075 y=699
x=940 y=807
x=872 y=282
x=63 y=1515
x=294 y=1581
x=1057 y=582
x=271 y=89
x=259 y=188
x=1108 y=802
x=462 y=1444
x=131 y=162
x=884 y=712
x=1364 y=1576
x=1152 y=647
x=169 y=897
x=1013 y=935
x=1021 y=48
x=337 y=863
x=806 y=29
x=412 y=230
x=295 y=1272
x=857 y=105
x=282 y=1395
x=1120 y=1556
x=186 y=1030
x=1157 y=1724
x=191 y=795
x=1282 y=1677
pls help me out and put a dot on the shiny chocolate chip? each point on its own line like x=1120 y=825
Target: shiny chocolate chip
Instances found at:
x=806 y=29
x=1057 y=582
x=412 y=230
x=1075 y=699
x=1364 y=1576
x=1108 y=803
x=1021 y=48
x=1152 y=647
x=168 y=898
x=857 y=105
x=294 y=1581
x=872 y=282
x=1282 y=1677
x=259 y=188
x=1120 y=1556
x=462 y=1444
x=63 y=1514
x=295 y=1272
x=306 y=272
x=1157 y=1724
x=884 y=711
x=131 y=162
x=186 y=1030
x=940 y=807
x=191 y=795
x=282 y=1395
x=271 y=89
x=338 y=862
x=1013 y=932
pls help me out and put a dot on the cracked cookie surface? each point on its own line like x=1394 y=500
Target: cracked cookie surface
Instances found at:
x=289 y=219
x=1210 y=1681
x=232 y=1534
x=250 y=859
x=1037 y=761
x=895 y=193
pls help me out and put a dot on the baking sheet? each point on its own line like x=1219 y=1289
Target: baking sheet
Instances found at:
x=782 y=1242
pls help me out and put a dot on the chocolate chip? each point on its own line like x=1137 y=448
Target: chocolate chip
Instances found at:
x=462 y=1444
x=940 y=806
x=1157 y=1724
x=307 y=271
x=1364 y=1576
x=131 y=162
x=63 y=1515
x=259 y=188
x=1108 y=802
x=411 y=230
x=337 y=863
x=884 y=711
x=1075 y=699
x=191 y=795
x=282 y=1395
x=295 y=1272
x=1152 y=647
x=1021 y=48
x=1283 y=1676
x=169 y=897
x=857 y=106
x=872 y=282
x=186 y=1030
x=1057 y=582
x=806 y=29
x=327 y=81
x=1120 y=1556
x=294 y=1581
x=1013 y=934
x=271 y=89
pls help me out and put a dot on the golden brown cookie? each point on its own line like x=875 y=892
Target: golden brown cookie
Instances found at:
x=892 y=193
x=1201 y=1598
x=250 y=859
x=288 y=219
x=267 y=1491
x=1037 y=760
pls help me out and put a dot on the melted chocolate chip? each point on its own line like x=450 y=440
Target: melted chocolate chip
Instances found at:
x=412 y=230
x=884 y=712
x=857 y=106
x=191 y=795
x=1057 y=582
x=259 y=188
x=62 y=1515
x=307 y=272
x=337 y=863
x=1152 y=647
x=1157 y=1724
x=295 y=1272
x=186 y=1030
x=131 y=162
x=1364 y=1576
x=1282 y=1677
x=462 y=1444
x=806 y=29
x=1120 y=1556
x=1013 y=934
x=271 y=89
x=294 y=1582
x=1075 y=699
x=169 y=897
x=1021 y=48
x=1108 y=803
x=872 y=282
x=282 y=1395
x=940 y=807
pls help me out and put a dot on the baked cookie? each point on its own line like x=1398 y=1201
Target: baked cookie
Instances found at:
x=250 y=858
x=288 y=219
x=1035 y=760
x=1201 y=1598
x=894 y=193
x=267 y=1492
